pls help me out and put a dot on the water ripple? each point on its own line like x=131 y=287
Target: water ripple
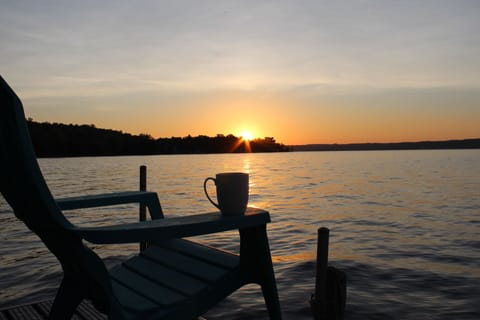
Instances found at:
x=404 y=226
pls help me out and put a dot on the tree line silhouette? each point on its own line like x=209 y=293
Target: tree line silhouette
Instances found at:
x=72 y=140
x=420 y=145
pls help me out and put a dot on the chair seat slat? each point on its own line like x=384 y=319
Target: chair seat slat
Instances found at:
x=185 y=264
x=142 y=286
x=166 y=276
x=206 y=253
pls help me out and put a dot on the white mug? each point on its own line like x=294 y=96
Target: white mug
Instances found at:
x=232 y=192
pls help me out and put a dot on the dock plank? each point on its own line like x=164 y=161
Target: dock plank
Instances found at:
x=25 y=312
x=44 y=308
x=87 y=311
x=3 y=316
x=41 y=310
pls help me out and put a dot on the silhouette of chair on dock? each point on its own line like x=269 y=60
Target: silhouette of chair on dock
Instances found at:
x=172 y=278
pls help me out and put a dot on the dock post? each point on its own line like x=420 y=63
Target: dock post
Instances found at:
x=322 y=265
x=143 y=209
x=319 y=299
x=330 y=298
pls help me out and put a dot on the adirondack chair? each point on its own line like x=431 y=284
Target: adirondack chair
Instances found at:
x=172 y=279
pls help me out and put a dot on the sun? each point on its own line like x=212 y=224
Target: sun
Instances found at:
x=246 y=135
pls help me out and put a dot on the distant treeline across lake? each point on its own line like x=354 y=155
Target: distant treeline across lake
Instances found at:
x=72 y=140
x=421 y=145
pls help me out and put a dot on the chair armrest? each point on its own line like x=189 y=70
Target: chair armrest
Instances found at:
x=178 y=227
x=149 y=199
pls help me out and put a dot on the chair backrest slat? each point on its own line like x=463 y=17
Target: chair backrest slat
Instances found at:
x=23 y=186
x=22 y=183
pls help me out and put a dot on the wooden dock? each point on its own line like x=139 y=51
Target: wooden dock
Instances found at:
x=40 y=311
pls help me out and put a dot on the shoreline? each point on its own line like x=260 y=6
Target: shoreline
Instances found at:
x=466 y=144
x=420 y=145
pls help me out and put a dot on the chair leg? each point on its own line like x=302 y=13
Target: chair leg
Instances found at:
x=270 y=294
x=256 y=259
x=68 y=297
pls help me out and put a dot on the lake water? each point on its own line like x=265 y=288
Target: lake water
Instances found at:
x=404 y=226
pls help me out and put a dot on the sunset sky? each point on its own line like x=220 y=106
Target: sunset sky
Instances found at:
x=300 y=71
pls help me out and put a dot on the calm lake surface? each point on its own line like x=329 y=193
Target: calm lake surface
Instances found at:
x=404 y=226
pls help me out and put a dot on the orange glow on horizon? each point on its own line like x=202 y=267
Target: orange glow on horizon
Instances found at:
x=290 y=121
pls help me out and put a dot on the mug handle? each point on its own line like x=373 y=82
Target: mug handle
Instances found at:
x=206 y=193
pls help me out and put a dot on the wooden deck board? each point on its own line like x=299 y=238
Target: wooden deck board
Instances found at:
x=25 y=312
x=40 y=311
x=88 y=312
